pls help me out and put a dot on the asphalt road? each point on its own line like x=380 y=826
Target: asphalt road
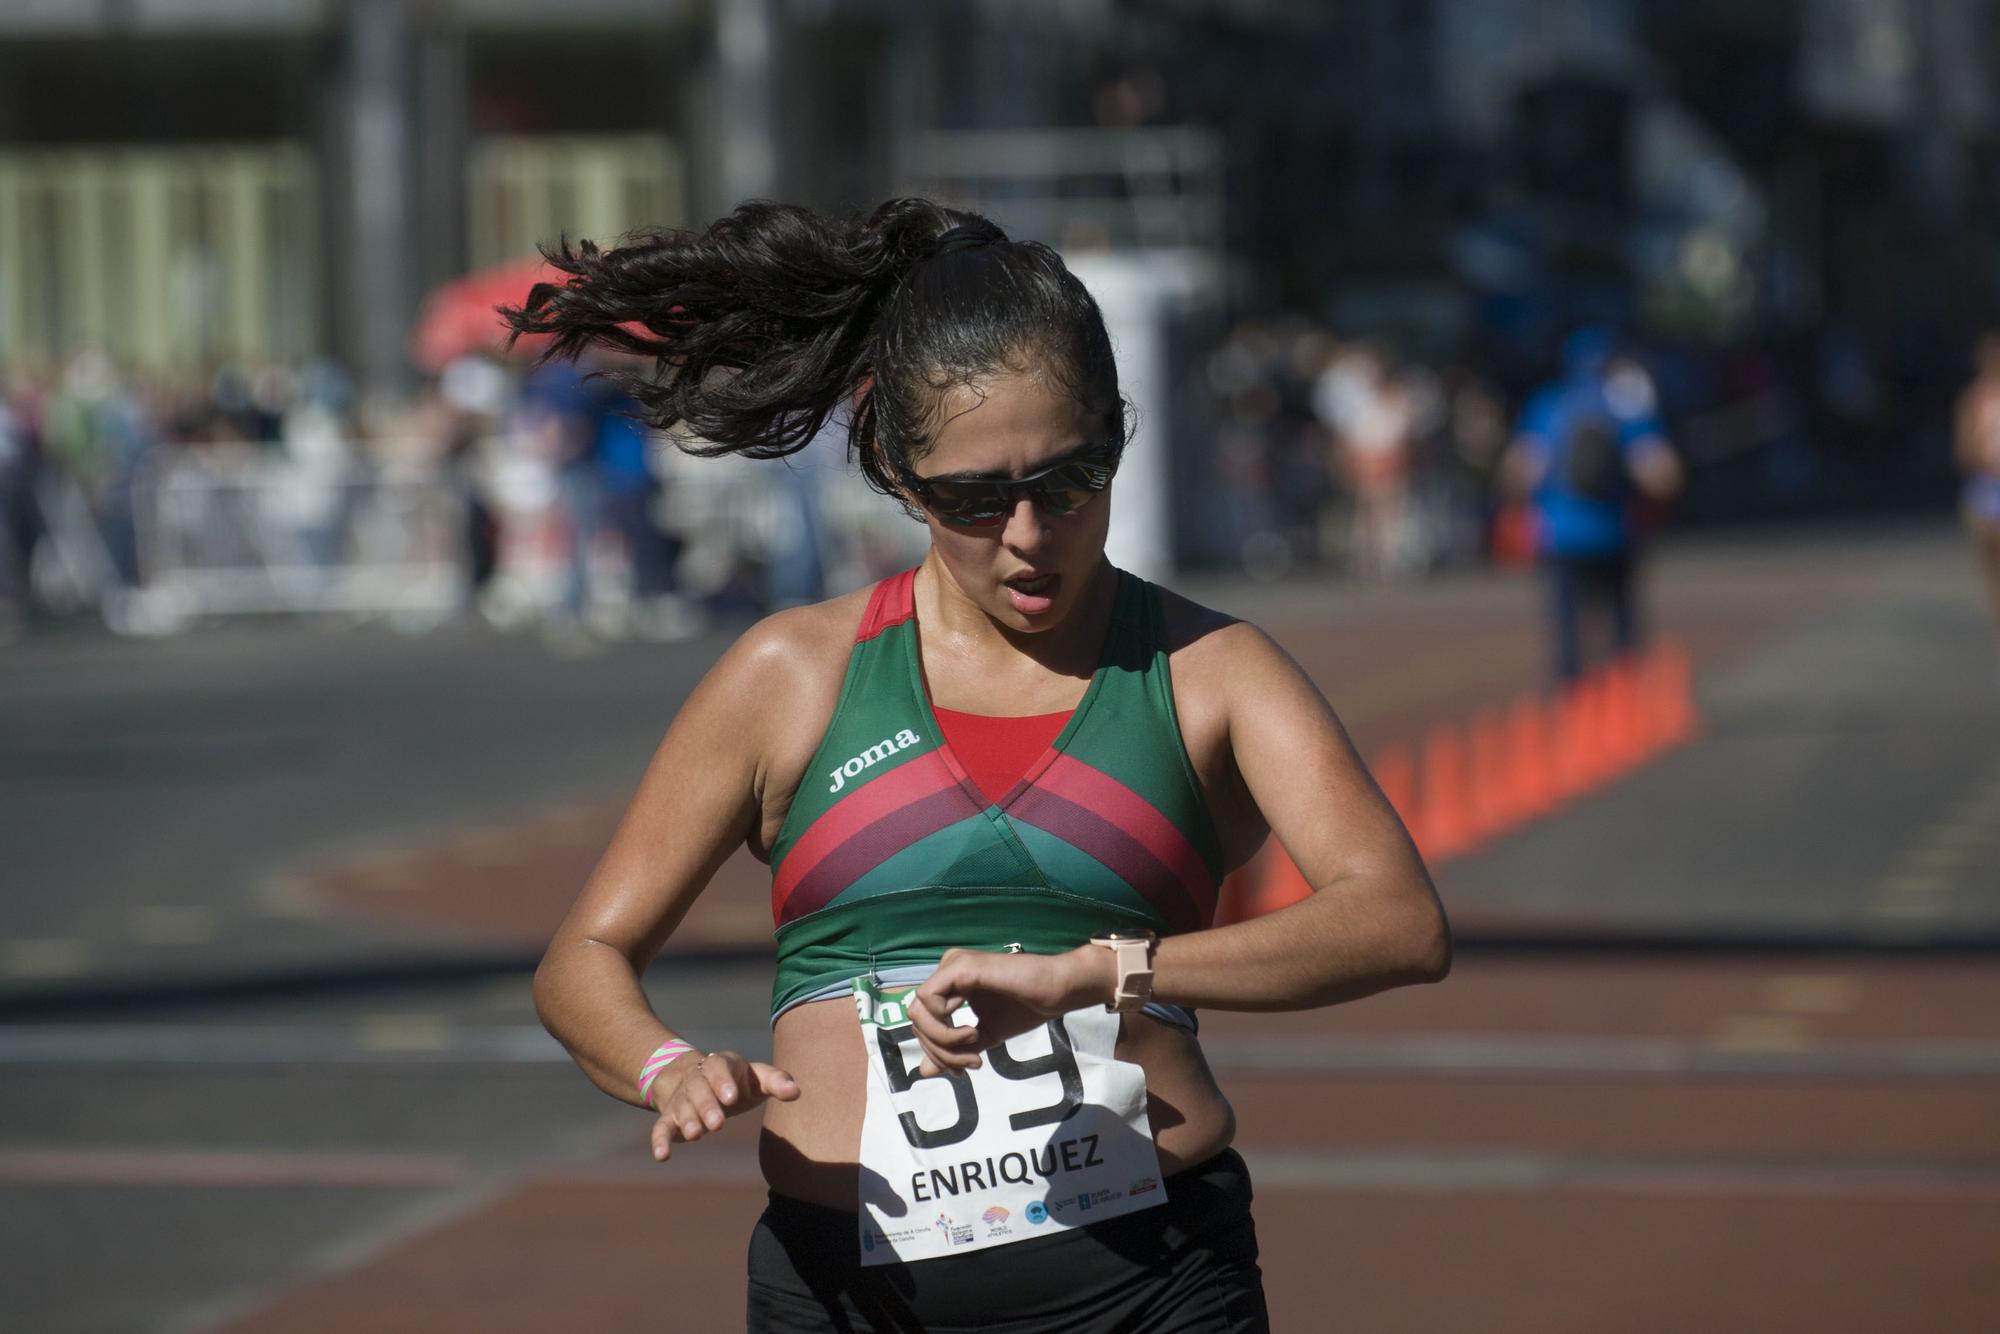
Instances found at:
x=1723 y=1049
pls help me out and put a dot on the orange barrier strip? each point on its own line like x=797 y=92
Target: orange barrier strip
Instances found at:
x=1499 y=774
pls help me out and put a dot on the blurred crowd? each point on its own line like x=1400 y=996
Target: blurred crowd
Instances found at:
x=530 y=497
x=534 y=488
x=1353 y=454
x=1339 y=452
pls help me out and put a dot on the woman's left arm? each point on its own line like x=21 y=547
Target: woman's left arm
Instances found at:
x=1373 y=922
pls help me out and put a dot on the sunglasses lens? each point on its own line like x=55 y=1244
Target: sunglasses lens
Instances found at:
x=980 y=504
x=974 y=504
x=1069 y=488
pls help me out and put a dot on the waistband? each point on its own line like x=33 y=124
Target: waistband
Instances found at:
x=911 y=975
x=1194 y=1255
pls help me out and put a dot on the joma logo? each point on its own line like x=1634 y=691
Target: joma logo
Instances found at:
x=871 y=757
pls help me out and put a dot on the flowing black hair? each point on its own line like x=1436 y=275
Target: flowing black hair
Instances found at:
x=766 y=322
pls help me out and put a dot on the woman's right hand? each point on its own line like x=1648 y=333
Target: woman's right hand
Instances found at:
x=709 y=1090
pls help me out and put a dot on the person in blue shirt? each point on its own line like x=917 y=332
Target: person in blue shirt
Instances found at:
x=1977 y=447
x=629 y=488
x=1589 y=449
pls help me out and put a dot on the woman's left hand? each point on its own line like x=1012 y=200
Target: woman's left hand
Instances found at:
x=1009 y=994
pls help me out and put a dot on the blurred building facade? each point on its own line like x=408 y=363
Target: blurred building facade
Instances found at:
x=186 y=181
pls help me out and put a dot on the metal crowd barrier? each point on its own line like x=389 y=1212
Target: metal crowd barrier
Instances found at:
x=223 y=531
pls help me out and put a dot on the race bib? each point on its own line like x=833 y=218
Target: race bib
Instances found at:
x=1049 y=1133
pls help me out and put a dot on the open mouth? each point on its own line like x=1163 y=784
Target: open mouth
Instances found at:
x=1033 y=594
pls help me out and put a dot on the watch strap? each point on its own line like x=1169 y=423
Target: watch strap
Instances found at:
x=1133 y=961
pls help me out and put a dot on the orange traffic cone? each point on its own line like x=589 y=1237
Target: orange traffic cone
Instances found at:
x=1447 y=828
x=1233 y=901
x=1673 y=685
x=1625 y=741
x=1581 y=733
x=1493 y=810
x=1531 y=758
x=1282 y=883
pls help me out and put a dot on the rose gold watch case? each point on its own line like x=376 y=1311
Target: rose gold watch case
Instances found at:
x=1132 y=954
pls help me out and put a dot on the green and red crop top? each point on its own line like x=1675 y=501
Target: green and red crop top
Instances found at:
x=891 y=854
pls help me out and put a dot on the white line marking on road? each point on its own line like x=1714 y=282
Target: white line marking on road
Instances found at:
x=385 y=871
x=43 y=960
x=1305 y=1171
x=1973 y=829
x=434 y=1040
x=343 y=1255
x=173 y=924
x=1941 y=856
x=1811 y=993
x=1906 y=907
x=489 y=846
x=288 y=896
x=509 y=993
x=1760 y=1032
x=260 y=1168
x=410 y=1033
x=1914 y=882
x=1293 y=1171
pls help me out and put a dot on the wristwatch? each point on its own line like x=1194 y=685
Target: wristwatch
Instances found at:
x=1132 y=951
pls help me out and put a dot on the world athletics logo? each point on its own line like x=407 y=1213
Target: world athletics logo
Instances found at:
x=997 y=1214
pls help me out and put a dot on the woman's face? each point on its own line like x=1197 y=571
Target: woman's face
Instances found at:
x=1028 y=570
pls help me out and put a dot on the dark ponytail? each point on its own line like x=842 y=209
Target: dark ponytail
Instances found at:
x=762 y=325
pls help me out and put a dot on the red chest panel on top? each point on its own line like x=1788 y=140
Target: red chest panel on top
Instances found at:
x=996 y=752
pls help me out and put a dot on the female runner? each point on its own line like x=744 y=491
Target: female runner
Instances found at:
x=1977 y=446
x=1015 y=775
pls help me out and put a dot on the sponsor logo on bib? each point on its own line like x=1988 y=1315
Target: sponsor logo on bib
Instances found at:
x=954 y=1233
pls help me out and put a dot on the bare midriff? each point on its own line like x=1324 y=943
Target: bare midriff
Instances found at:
x=810 y=1147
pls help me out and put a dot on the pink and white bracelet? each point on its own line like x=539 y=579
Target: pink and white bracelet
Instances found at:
x=667 y=1053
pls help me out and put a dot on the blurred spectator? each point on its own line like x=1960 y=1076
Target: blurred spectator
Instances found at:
x=1372 y=416
x=1977 y=446
x=473 y=397
x=588 y=429
x=97 y=434
x=798 y=542
x=16 y=481
x=1590 y=445
x=317 y=442
x=557 y=415
x=630 y=492
x=1476 y=429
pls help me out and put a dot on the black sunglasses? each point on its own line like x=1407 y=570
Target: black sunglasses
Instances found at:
x=980 y=502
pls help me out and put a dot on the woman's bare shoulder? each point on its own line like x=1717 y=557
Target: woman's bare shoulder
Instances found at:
x=1202 y=637
x=797 y=647
x=1218 y=659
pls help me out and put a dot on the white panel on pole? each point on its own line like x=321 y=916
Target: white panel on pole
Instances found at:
x=1139 y=292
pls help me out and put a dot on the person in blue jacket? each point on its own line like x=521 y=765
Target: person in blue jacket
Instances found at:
x=1589 y=449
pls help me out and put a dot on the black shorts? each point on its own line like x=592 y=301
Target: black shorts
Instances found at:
x=1188 y=1266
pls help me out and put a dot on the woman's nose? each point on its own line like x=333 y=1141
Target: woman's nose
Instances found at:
x=1027 y=528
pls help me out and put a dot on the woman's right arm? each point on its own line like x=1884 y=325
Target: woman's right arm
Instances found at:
x=1972 y=429
x=702 y=796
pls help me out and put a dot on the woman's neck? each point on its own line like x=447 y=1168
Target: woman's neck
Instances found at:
x=952 y=621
